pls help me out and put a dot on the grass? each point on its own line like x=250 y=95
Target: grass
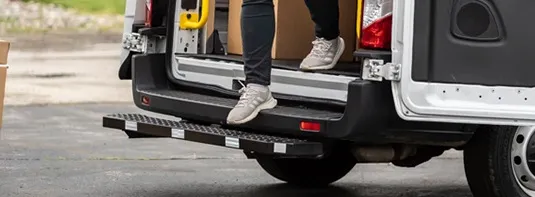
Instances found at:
x=89 y=6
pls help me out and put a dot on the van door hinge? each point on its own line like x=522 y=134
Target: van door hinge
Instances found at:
x=135 y=42
x=377 y=70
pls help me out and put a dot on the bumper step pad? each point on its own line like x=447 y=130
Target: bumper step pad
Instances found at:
x=213 y=135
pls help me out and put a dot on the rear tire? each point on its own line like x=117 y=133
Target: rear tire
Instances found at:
x=309 y=172
x=492 y=162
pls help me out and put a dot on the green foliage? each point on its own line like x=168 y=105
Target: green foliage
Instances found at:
x=89 y=6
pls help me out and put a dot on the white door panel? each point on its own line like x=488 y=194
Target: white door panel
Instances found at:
x=449 y=102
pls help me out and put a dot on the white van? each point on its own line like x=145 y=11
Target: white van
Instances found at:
x=447 y=74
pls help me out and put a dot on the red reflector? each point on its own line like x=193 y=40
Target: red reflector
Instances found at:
x=310 y=126
x=377 y=35
x=145 y=100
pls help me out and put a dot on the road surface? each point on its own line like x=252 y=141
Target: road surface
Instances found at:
x=53 y=144
x=62 y=150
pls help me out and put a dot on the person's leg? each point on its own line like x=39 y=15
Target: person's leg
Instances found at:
x=328 y=46
x=258 y=31
x=325 y=15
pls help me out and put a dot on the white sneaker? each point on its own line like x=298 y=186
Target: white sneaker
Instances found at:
x=324 y=55
x=254 y=98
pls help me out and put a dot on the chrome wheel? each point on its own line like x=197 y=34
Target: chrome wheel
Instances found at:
x=523 y=159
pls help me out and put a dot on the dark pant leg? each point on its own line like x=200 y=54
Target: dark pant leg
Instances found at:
x=257 y=31
x=325 y=13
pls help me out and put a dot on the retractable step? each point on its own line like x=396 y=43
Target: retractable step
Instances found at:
x=213 y=135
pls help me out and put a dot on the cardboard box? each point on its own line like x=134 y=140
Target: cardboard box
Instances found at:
x=294 y=29
x=3 y=76
x=4 y=49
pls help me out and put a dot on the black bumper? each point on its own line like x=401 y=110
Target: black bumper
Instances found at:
x=369 y=115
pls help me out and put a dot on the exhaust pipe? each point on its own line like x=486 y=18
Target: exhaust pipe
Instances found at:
x=382 y=154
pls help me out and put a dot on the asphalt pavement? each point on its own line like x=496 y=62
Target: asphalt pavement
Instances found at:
x=53 y=144
x=66 y=77
x=62 y=150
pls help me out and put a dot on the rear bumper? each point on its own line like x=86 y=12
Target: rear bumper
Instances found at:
x=369 y=114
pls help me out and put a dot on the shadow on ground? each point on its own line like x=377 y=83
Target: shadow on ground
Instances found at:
x=344 y=190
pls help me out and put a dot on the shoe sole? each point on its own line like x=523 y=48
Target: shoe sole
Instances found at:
x=270 y=104
x=341 y=49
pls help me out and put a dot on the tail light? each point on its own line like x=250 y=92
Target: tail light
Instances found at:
x=376 y=29
x=148 y=13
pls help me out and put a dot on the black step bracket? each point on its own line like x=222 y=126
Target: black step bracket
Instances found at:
x=214 y=135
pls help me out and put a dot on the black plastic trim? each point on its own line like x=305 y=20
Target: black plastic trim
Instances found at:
x=369 y=117
x=373 y=54
x=125 y=70
x=153 y=31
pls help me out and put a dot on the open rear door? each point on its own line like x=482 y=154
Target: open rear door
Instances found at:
x=465 y=61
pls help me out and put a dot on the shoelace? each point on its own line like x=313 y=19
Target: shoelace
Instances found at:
x=247 y=94
x=320 y=47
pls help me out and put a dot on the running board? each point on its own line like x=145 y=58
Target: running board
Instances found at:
x=214 y=135
x=224 y=74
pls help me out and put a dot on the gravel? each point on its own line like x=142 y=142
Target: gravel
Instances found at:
x=17 y=17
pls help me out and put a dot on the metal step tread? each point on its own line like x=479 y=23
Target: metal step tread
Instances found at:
x=294 y=111
x=342 y=68
x=214 y=135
